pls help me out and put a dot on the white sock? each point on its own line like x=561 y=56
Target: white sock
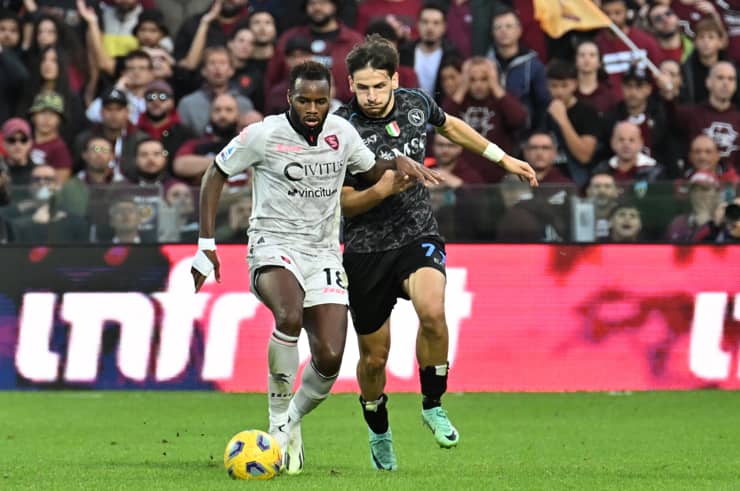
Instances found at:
x=315 y=387
x=282 y=361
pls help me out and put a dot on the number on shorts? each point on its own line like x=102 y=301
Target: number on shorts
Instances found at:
x=430 y=250
x=337 y=277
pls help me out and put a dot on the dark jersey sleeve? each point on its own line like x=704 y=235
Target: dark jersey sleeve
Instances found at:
x=435 y=114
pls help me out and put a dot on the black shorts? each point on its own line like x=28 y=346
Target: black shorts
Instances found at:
x=376 y=279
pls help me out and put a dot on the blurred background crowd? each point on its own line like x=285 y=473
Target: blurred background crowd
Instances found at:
x=112 y=110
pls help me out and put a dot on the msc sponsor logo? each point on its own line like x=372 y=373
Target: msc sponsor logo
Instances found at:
x=313 y=193
x=295 y=171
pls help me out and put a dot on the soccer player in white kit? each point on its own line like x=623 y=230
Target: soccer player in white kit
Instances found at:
x=299 y=160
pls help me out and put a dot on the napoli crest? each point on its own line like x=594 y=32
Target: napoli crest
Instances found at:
x=416 y=117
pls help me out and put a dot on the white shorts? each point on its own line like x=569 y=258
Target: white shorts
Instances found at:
x=321 y=275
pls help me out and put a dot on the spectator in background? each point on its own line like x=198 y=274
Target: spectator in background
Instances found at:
x=194 y=109
x=520 y=70
x=529 y=216
x=18 y=143
x=151 y=31
x=7 y=232
x=151 y=162
x=118 y=22
x=179 y=197
x=117 y=129
x=426 y=54
x=262 y=25
x=161 y=121
x=14 y=73
x=704 y=197
x=618 y=56
x=625 y=224
x=297 y=50
x=541 y=151
x=51 y=75
x=47 y=115
x=629 y=163
x=704 y=156
x=460 y=26
x=137 y=75
x=42 y=221
x=671 y=72
x=220 y=21
x=603 y=192
x=404 y=12
x=708 y=44
x=450 y=76
x=649 y=115
x=247 y=75
x=10 y=30
x=238 y=221
x=124 y=219
x=406 y=74
x=449 y=162
x=672 y=41
x=490 y=110
x=730 y=232
x=197 y=154
x=330 y=40
x=574 y=123
x=717 y=117
x=593 y=86
x=48 y=31
x=74 y=196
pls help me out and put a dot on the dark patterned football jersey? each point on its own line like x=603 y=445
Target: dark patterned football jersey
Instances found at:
x=403 y=217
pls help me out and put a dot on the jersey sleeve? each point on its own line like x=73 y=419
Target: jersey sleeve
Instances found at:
x=243 y=151
x=435 y=114
x=359 y=157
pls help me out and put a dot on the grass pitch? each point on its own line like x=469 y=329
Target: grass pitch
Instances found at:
x=175 y=440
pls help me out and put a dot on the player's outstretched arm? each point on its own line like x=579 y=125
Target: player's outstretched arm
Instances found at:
x=355 y=202
x=206 y=259
x=405 y=166
x=461 y=133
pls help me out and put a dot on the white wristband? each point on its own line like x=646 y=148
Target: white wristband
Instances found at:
x=494 y=153
x=206 y=244
x=202 y=264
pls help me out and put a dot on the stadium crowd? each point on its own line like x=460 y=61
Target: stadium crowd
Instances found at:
x=112 y=110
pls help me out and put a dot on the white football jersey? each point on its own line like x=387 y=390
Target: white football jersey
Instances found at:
x=296 y=186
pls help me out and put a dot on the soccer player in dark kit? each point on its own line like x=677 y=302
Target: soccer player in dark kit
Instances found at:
x=392 y=244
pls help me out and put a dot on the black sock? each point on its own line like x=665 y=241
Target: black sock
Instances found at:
x=376 y=414
x=433 y=384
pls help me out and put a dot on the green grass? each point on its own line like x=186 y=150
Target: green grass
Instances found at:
x=175 y=440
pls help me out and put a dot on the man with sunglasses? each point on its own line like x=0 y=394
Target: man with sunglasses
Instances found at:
x=161 y=120
x=18 y=143
x=664 y=25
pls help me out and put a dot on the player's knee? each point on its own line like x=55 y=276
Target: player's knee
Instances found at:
x=374 y=360
x=432 y=319
x=328 y=360
x=289 y=321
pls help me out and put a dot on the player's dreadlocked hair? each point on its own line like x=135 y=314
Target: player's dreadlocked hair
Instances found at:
x=376 y=52
x=309 y=70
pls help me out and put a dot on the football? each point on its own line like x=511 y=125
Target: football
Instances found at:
x=252 y=455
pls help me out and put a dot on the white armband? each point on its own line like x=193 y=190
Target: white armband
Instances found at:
x=206 y=244
x=494 y=153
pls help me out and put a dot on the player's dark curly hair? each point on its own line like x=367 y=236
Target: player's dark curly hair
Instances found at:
x=376 y=52
x=309 y=70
